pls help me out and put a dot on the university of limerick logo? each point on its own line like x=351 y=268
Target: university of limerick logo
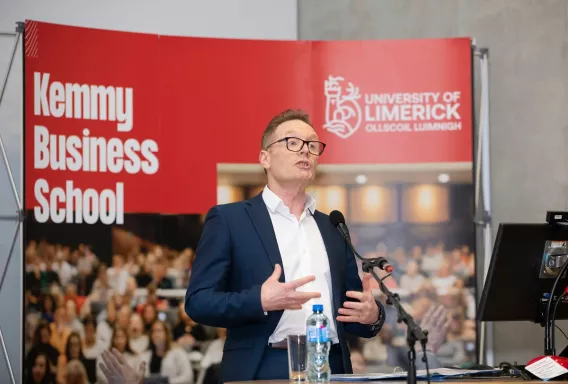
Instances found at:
x=342 y=111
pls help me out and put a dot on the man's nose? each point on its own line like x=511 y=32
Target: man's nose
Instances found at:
x=304 y=150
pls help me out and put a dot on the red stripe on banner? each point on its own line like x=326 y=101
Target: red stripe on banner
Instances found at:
x=32 y=38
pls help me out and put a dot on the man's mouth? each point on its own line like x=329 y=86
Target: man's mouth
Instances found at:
x=303 y=164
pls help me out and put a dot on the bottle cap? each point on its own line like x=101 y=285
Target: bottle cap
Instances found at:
x=318 y=308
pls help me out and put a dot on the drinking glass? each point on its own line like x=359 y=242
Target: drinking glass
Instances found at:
x=297 y=358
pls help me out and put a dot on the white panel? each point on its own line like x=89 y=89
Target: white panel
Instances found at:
x=255 y=19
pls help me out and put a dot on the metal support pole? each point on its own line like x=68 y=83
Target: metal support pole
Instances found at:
x=2 y=149
x=19 y=217
x=10 y=371
x=14 y=48
x=9 y=218
x=10 y=254
x=483 y=192
x=10 y=176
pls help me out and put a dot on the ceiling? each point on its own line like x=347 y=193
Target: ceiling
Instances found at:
x=253 y=174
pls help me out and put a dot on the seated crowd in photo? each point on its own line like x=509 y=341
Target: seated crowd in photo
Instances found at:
x=76 y=307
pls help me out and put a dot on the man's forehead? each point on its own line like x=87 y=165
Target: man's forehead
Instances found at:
x=298 y=128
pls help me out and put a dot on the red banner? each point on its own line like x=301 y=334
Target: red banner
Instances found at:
x=120 y=122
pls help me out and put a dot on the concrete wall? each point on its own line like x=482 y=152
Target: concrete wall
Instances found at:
x=528 y=44
x=267 y=19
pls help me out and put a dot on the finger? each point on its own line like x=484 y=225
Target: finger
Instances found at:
x=277 y=272
x=353 y=305
x=440 y=315
x=142 y=369
x=348 y=319
x=429 y=312
x=436 y=309
x=105 y=370
x=428 y=320
x=349 y=312
x=301 y=281
x=118 y=356
x=110 y=361
x=294 y=306
x=302 y=297
x=366 y=282
x=107 y=361
x=355 y=295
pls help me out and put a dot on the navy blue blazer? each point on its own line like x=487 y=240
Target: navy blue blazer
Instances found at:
x=237 y=252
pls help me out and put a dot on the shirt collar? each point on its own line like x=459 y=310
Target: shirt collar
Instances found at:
x=275 y=203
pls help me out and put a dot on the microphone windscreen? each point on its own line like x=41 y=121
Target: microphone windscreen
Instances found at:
x=336 y=218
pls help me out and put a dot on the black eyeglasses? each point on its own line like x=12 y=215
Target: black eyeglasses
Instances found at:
x=295 y=144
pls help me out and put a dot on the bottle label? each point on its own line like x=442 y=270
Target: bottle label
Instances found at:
x=317 y=334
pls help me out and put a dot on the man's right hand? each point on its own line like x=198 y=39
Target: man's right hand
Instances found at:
x=275 y=295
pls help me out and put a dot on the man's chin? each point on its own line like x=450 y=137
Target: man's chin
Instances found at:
x=302 y=179
x=307 y=175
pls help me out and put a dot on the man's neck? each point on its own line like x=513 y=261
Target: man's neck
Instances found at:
x=294 y=197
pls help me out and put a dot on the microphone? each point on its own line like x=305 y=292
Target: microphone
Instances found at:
x=338 y=221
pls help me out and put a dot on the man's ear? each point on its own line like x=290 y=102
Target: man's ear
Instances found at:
x=263 y=158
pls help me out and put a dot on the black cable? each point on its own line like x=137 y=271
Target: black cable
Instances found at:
x=425 y=360
x=547 y=328
x=561 y=331
x=513 y=370
x=383 y=279
x=553 y=325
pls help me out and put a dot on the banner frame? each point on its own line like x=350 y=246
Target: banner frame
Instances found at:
x=473 y=51
x=483 y=214
x=19 y=216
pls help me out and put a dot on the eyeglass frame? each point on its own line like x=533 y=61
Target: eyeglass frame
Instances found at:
x=304 y=142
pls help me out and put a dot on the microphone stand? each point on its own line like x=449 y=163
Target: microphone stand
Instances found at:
x=413 y=332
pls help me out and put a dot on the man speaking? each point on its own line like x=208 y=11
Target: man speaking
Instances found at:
x=260 y=265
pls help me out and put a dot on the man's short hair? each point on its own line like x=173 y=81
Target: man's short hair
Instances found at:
x=287 y=115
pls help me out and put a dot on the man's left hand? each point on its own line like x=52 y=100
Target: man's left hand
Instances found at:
x=366 y=311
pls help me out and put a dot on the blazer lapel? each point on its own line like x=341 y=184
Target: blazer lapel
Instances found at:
x=335 y=252
x=261 y=220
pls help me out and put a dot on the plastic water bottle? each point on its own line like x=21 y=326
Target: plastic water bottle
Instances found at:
x=318 y=345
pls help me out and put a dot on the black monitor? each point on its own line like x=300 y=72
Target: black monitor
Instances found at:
x=522 y=271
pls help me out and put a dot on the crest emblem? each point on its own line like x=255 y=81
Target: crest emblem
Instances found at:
x=342 y=110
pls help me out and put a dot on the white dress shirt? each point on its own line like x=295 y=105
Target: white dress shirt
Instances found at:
x=303 y=253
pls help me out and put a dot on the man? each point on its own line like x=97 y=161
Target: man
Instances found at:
x=260 y=265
